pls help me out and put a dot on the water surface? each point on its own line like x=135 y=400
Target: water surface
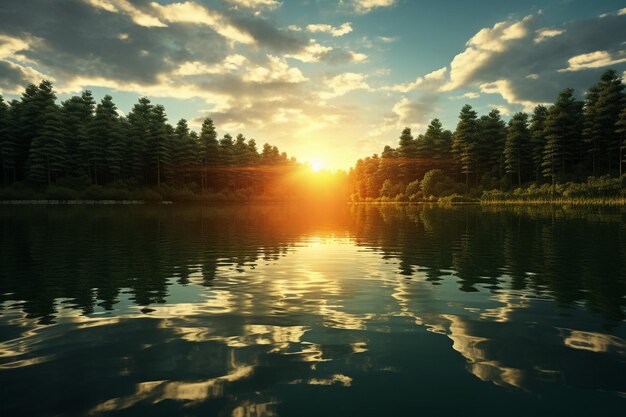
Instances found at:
x=304 y=311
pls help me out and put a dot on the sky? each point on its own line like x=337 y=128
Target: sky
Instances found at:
x=328 y=81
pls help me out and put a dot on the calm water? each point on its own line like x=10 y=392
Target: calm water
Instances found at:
x=294 y=311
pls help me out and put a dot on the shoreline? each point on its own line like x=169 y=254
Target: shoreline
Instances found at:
x=81 y=202
x=577 y=202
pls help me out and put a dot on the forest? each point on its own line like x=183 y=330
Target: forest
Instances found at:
x=81 y=149
x=571 y=149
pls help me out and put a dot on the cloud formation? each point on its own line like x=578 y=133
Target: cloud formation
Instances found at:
x=527 y=64
x=331 y=30
x=255 y=4
x=344 y=83
x=366 y=6
x=597 y=59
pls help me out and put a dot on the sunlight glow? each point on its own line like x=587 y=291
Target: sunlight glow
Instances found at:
x=316 y=165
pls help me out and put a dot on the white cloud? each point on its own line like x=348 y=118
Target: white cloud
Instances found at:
x=621 y=11
x=358 y=57
x=436 y=75
x=311 y=53
x=597 y=59
x=366 y=6
x=190 y=12
x=332 y=30
x=229 y=64
x=9 y=46
x=471 y=95
x=543 y=34
x=344 y=83
x=184 y=12
x=504 y=110
x=406 y=87
x=387 y=39
x=413 y=113
x=277 y=71
x=481 y=47
x=505 y=89
x=255 y=4
x=431 y=80
x=123 y=6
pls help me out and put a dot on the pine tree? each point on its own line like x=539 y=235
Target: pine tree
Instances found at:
x=187 y=152
x=464 y=144
x=563 y=135
x=137 y=157
x=517 y=150
x=227 y=159
x=607 y=112
x=592 y=138
x=47 y=152
x=427 y=143
x=620 y=129
x=408 y=153
x=32 y=113
x=159 y=145
x=209 y=149
x=104 y=144
x=538 y=138
x=77 y=114
x=7 y=144
x=491 y=138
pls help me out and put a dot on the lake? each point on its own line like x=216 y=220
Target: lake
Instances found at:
x=287 y=310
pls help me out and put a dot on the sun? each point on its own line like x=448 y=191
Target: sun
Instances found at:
x=316 y=166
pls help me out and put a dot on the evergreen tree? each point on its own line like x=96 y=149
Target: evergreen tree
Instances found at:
x=209 y=149
x=491 y=138
x=104 y=144
x=464 y=144
x=408 y=153
x=77 y=115
x=32 y=113
x=538 y=138
x=159 y=145
x=7 y=144
x=187 y=149
x=591 y=134
x=427 y=143
x=620 y=129
x=136 y=157
x=517 y=147
x=47 y=152
x=607 y=111
x=563 y=135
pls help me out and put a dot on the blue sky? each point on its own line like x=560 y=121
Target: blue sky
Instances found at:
x=329 y=81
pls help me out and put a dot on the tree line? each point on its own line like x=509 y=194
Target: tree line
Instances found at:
x=44 y=143
x=570 y=140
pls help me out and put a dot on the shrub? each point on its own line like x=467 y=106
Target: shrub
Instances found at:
x=146 y=194
x=436 y=183
x=413 y=188
x=391 y=190
x=55 y=192
x=98 y=192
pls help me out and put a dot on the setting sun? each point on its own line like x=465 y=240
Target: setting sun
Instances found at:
x=316 y=165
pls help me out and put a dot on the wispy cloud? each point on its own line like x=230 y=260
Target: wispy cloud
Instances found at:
x=597 y=59
x=366 y=6
x=543 y=34
x=332 y=30
x=344 y=83
x=255 y=4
